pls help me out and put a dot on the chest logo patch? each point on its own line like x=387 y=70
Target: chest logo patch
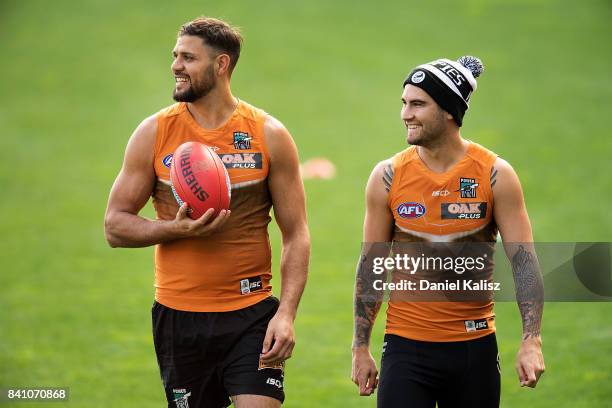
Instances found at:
x=242 y=141
x=467 y=187
x=467 y=211
x=167 y=160
x=411 y=210
x=242 y=160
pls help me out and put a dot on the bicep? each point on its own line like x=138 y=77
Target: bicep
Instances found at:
x=378 y=221
x=509 y=208
x=134 y=184
x=286 y=187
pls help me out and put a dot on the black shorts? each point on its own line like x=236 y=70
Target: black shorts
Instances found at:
x=206 y=357
x=419 y=374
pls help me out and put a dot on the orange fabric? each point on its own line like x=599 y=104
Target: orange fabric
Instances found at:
x=441 y=205
x=208 y=274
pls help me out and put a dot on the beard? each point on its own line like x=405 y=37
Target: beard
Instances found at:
x=431 y=133
x=197 y=89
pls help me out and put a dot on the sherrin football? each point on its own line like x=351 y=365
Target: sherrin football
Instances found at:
x=199 y=178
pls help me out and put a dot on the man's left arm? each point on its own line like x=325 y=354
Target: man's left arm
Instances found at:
x=512 y=219
x=289 y=203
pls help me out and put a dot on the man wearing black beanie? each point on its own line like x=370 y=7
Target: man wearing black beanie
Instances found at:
x=443 y=188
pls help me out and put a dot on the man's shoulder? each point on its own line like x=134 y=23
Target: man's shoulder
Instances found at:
x=403 y=157
x=170 y=111
x=251 y=112
x=480 y=153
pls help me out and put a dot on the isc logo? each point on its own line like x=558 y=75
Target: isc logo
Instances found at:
x=473 y=325
x=274 y=381
x=411 y=210
x=481 y=324
x=249 y=285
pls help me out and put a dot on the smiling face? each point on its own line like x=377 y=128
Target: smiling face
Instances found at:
x=425 y=121
x=193 y=69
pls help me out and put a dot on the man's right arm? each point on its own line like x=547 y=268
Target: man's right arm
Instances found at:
x=123 y=226
x=377 y=231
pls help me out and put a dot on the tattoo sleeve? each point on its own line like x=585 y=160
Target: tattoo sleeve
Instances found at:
x=367 y=299
x=529 y=289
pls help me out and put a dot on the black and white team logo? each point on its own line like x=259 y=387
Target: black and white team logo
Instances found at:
x=180 y=397
x=467 y=187
x=242 y=141
x=418 y=77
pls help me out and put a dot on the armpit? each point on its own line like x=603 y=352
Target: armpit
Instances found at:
x=163 y=200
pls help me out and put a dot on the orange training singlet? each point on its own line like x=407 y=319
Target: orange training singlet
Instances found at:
x=230 y=269
x=456 y=206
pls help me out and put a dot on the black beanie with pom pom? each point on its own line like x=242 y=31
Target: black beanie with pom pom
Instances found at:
x=449 y=83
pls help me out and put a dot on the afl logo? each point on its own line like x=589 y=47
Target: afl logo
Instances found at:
x=411 y=210
x=167 y=160
x=418 y=77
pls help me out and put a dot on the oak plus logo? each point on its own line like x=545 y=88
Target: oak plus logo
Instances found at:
x=411 y=210
x=241 y=160
x=458 y=211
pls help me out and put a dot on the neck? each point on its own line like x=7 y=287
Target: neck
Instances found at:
x=213 y=110
x=442 y=156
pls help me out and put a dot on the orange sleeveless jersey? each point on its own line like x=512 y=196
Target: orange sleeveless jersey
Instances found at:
x=230 y=269
x=427 y=206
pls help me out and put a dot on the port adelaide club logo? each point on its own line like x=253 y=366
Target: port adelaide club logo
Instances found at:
x=411 y=210
x=467 y=187
x=181 y=397
x=242 y=141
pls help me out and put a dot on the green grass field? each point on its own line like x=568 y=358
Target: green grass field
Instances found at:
x=77 y=77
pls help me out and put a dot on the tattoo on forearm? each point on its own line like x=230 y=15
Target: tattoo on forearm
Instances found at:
x=493 y=176
x=529 y=291
x=388 y=176
x=367 y=302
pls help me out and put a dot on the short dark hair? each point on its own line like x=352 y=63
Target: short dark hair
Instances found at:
x=217 y=34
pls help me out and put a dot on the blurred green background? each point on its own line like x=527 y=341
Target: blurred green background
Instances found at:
x=77 y=78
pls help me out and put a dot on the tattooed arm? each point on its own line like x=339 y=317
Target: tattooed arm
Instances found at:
x=511 y=217
x=529 y=288
x=377 y=229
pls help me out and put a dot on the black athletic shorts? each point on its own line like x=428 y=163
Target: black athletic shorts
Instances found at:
x=206 y=357
x=419 y=374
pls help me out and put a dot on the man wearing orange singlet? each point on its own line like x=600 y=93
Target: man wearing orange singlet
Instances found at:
x=220 y=336
x=443 y=188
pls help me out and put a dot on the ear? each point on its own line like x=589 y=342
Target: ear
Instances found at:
x=449 y=116
x=222 y=64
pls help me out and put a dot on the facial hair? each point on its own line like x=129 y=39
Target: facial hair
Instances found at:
x=431 y=134
x=197 y=89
